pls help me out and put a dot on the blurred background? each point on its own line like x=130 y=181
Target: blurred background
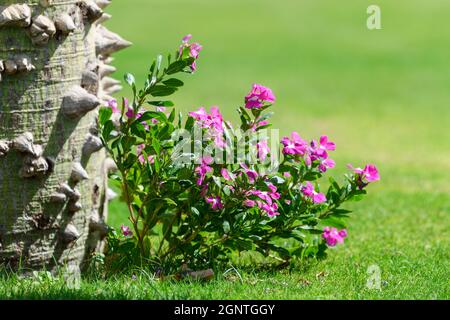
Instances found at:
x=382 y=95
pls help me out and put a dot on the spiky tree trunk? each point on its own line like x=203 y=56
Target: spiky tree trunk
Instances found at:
x=54 y=57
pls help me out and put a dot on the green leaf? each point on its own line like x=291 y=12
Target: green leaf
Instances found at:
x=138 y=129
x=341 y=211
x=266 y=116
x=172 y=82
x=357 y=197
x=227 y=190
x=156 y=145
x=161 y=103
x=217 y=181
x=130 y=161
x=105 y=114
x=161 y=91
x=180 y=119
x=152 y=115
x=195 y=211
x=116 y=142
x=184 y=183
x=176 y=66
x=128 y=142
x=189 y=123
x=108 y=127
x=129 y=78
x=333 y=221
x=152 y=67
x=244 y=114
x=226 y=227
x=172 y=116
x=277 y=180
x=170 y=202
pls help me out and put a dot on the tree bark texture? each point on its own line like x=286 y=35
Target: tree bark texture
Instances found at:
x=54 y=57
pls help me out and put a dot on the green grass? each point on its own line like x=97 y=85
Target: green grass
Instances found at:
x=383 y=96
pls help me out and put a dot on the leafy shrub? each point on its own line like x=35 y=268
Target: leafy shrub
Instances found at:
x=199 y=189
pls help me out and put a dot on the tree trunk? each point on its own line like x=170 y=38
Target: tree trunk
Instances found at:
x=53 y=180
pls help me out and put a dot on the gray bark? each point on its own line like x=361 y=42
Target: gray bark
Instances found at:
x=53 y=181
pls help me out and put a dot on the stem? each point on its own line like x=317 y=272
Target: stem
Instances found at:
x=165 y=235
x=134 y=220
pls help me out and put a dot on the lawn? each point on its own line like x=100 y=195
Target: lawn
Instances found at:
x=383 y=96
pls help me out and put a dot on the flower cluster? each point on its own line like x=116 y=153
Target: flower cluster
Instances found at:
x=265 y=200
x=199 y=212
x=215 y=202
x=192 y=49
x=203 y=169
x=258 y=97
x=314 y=152
x=141 y=157
x=309 y=192
x=314 y=155
x=366 y=175
x=126 y=231
x=332 y=236
x=213 y=122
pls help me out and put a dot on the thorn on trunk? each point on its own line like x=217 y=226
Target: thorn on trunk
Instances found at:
x=18 y=15
x=107 y=42
x=78 y=102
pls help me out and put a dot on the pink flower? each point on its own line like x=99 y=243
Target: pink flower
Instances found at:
x=271 y=210
x=273 y=192
x=194 y=50
x=126 y=231
x=199 y=115
x=213 y=122
x=187 y=38
x=150 y=159
x=215 y=202
x=203 y=169
x=249 y=203
x=258 y=97
x=369 y=173
x=130 y=112
x=263 y=150
x=267 y=200
x=141 y=156
x=327 y=145
x=215 y=119
x=309 y=192
x=263 y=195
x=113 y=105
x=319 y=198
x=326 y=164
x=319 y=150
x=294 y=145
x=252 y=175
x=227 y=175
x=332 y=236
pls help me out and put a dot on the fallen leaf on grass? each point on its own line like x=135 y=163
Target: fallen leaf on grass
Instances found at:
x=321 y=274
x=305 y=282
x=203 y=275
